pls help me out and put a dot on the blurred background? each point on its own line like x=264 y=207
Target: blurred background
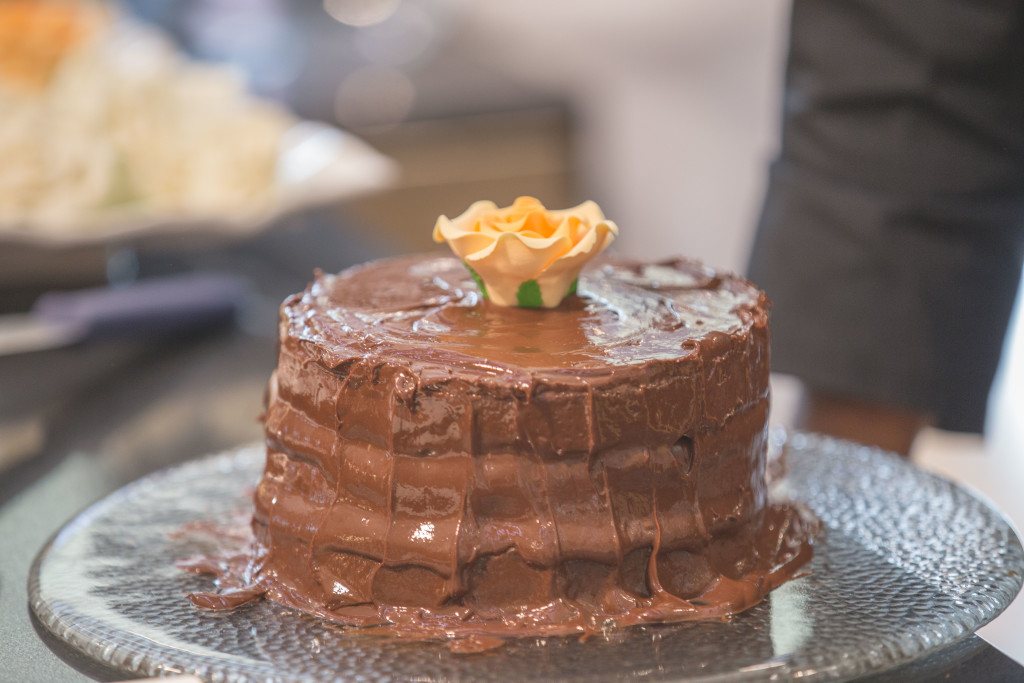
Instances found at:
x=667 y=117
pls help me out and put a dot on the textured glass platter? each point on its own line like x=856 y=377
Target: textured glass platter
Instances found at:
x=907 y=563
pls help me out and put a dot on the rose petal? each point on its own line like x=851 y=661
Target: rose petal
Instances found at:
x=507 y=226
x=522 y=255
x=589 y=212
x=470 y=215
x=469 y=244
x=599 y=237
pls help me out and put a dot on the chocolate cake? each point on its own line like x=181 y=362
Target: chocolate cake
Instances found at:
x=440 y=464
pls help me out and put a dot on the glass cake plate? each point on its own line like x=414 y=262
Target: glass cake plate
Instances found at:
x=907 y=564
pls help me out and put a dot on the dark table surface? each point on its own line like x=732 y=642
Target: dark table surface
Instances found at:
x=111 y=412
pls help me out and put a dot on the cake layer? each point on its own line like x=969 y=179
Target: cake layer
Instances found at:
x=432 y=454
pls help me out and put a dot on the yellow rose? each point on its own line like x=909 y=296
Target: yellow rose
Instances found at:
x=524 y=254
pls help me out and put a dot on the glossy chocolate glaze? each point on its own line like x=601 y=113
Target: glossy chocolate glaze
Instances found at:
x=447 y=467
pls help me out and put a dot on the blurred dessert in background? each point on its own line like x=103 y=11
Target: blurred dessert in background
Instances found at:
x=102 y=115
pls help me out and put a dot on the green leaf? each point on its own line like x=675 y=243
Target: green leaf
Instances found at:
x=572 y=287
x=528 y=295
x=478 y=280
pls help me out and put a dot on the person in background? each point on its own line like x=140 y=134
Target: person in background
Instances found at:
x=892 y=236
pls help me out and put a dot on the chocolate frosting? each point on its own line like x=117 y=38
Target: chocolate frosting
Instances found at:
x=441 y=465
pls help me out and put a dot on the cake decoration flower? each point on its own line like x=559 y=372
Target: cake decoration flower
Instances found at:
x=524 y=254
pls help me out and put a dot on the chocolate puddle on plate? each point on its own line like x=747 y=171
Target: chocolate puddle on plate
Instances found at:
x=235 y=561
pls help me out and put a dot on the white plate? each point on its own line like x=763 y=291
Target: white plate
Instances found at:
x=317 y=165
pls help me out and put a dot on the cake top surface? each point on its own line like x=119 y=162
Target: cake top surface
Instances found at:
x=427 y=310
